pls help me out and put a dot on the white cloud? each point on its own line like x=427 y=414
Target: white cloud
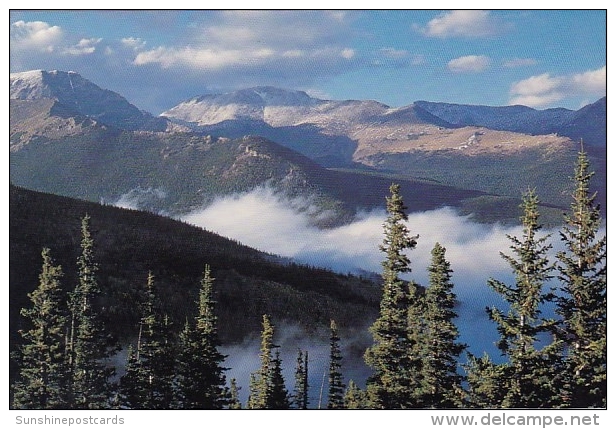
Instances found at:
x=545 y=89
x=244 y=39
x=83 y=47
x=266 y=221
x=140 y=198
x=35 y=35
x=461 y=23
x=208 y=59
x=347 y=53
x=591 y=82
x=394 y=53
x=293 y=29
x=203 y=59
x=135 y=43
x=469 y=63
x=293 y=53
x=534 y=85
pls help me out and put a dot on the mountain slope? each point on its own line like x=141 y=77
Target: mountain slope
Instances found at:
x=129 y=244
x=31 y=120
x=501 y=151
x=368 y=128
x=83 y=97
x=588 y=123
x=175 y=173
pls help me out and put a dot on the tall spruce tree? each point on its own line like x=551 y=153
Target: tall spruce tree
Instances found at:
x=267 y=388
x=279 y=399
x=43 y=367
x=583 y=302
x=148 y=381
x=532 y=371
x=300 y=391
x=234 y=396
x=201 y=379
x=260 y=385
x=442 y=384
x=90 y=344
x=132 y=388
x=336 y=386
x=391 y=356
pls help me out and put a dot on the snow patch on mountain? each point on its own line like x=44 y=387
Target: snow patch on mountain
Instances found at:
x=276 y=107
x=83 y=97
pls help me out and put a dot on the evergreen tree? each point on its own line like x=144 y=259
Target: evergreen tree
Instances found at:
x=354 y=397
x=150 y=371
x=336 y=386
x=487 y=383
x=583 y=303
x=442 y=386
x=90 y=345
x=392 y=356
x=300 y=392
x=44 y=374
x=267 y=389
x=532 y=371
x=234 y=396
x=260 y=389
x=201 y=379
x=132 y=388
x=279 y=399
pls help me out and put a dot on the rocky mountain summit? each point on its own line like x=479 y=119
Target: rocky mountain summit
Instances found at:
x=83 y=98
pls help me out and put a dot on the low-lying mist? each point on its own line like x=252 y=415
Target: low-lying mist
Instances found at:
x=243 y=359
x=267 y=221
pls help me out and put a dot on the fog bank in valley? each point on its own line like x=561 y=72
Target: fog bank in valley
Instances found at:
x=269 y=222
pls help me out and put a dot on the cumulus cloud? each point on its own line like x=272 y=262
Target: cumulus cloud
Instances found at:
x=461 y=23
x=544 y=89
x=35 y=35
x=201 y=58
x=396 y=57
x=469 y=64
x=135 y=43
x=592 y=81
x=245 y=40
x=83 y=47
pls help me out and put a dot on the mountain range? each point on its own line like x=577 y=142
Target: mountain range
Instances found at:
x=70 y=137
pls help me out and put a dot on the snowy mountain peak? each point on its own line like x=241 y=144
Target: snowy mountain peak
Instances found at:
x=84 y=97
x=272 y=96
x=274 y=106
x=59 y=85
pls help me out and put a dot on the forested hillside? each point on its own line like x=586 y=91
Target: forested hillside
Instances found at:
x=128 y=244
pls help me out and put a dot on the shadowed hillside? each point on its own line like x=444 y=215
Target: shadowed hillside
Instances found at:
x=129 y=243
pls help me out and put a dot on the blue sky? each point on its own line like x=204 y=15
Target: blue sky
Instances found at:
x=539 y=58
